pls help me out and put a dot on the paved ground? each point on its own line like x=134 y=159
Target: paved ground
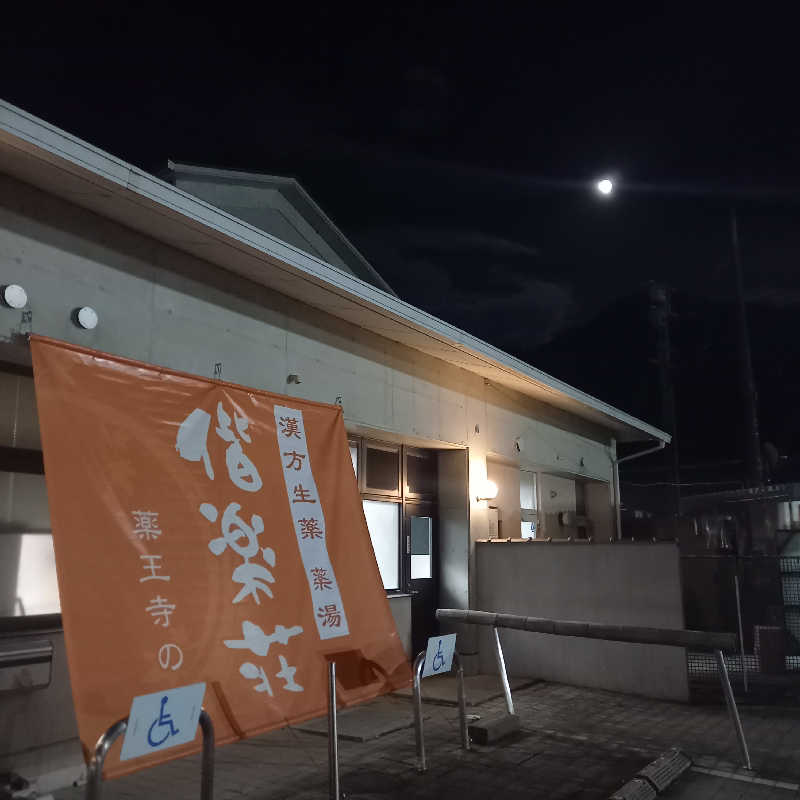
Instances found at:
x=575 y=743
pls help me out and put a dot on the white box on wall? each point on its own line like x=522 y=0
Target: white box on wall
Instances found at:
x=493 y=517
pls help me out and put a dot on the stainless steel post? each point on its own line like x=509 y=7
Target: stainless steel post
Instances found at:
x=333 y=736
x=94 y=778
x=741 y=629
x=419 y=734
x=732 y=710
x=501 y=666
x=207 y=767
x=462 y=704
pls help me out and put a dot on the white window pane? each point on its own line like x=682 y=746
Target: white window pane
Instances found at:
x=354 y=458
x=420 y=567
x=383 y=521
x=37 y=584
x=421 y=540
x=527 y=489
x=528 y=530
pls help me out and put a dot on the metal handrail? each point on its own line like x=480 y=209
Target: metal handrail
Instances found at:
x=419 y=733
x=676 y=637
x=94 y=778
x=617 y=633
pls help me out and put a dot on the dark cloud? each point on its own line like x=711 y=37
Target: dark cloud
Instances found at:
x=501 y=300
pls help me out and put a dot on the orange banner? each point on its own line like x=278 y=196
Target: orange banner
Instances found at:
x=206 y=532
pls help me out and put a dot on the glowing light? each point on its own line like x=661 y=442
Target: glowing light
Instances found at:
x=488 y=491
x=605 y=186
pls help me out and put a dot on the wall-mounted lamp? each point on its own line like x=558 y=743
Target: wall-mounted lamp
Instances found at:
x=488 y=491
x=15 y=296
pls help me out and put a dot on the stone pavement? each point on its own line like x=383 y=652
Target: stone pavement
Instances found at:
x=575 y=743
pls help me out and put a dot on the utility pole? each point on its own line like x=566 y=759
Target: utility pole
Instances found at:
x=660 y=313
x=755 y=464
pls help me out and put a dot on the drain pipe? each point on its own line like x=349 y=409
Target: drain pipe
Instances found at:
x=616 y=462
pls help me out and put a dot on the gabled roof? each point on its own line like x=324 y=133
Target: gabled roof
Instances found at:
x=62 y=164
x=280 y=206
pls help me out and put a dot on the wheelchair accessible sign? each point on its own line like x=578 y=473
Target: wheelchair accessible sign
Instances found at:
x=439 y=655
x=162 y=720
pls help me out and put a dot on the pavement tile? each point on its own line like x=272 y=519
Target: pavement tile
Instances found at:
x=575 y=743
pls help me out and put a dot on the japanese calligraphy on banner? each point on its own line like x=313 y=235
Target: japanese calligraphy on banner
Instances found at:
x=206 y=533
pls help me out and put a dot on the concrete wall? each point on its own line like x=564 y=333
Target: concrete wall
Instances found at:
x=38 y=730
x=158 y=305
x=624 y=584
x=556 y=494
x=599 y=499
x=506 y=476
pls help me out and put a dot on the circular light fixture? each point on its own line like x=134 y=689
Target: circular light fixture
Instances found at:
x=605 y=186
x=87 y=318
x=488 y=491
x=15 y=296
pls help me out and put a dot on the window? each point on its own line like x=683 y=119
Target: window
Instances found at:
x=383 y=521
x=28 y=583
x=354 y=457
x=421 y=547
x=420 y=472
x=381 y=468
x=527 y=504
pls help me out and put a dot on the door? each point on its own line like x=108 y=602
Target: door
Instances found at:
x=421 y=545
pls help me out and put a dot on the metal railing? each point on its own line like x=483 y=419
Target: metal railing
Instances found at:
x=671 y=637
x=757 y=593
x=94 y=779
x=419 y=733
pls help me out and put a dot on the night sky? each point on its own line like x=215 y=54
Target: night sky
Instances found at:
x=455 y=147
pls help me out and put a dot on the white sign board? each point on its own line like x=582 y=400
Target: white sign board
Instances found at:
x=439 y=655
x=162 y=720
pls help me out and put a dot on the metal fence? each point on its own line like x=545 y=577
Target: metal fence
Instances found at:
x=757 y=596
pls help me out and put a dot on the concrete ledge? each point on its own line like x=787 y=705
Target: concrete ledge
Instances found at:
x=489 y=731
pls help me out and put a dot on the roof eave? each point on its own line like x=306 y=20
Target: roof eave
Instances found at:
x=57 y=162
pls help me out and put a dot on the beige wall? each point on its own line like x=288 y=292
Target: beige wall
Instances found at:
x=506 y=476
x=621 y=584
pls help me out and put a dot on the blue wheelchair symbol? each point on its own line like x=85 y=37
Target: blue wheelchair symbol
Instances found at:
x=162 y=721
x=438 y=659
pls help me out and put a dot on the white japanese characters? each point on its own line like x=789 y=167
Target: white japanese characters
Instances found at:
x=146 y=528
x=309 y=523
x=239 y=537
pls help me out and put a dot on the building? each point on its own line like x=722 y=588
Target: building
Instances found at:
x=222 y=273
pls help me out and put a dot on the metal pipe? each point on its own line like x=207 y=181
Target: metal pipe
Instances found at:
x=419 y=734
x=615 y=474
x=617 y=496
x=697 y=640
x=333 y=736
x=94 y=777
x=660 y=446
x=732 y=710
x=207 y=765
x=741 y=629
x=462 y=704
x=501 y=666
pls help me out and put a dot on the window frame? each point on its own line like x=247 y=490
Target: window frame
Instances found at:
x=28 y=462
x=428 y=455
